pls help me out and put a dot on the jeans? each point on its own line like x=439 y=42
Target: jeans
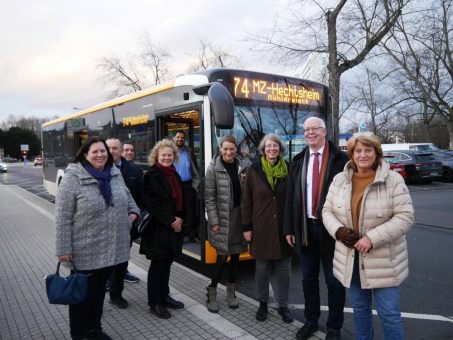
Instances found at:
x=387 y=305
x=312 y=257
x=263 y=272
x=87 y=315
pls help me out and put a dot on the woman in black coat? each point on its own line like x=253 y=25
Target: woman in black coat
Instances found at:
x=162 y=240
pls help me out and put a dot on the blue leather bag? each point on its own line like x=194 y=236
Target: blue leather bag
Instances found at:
x=68 y=290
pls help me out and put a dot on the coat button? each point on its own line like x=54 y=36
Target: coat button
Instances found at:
x=275 y=215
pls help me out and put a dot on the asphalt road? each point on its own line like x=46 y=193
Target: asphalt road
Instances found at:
x=426 y=296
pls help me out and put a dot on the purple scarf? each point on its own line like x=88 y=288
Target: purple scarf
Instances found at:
x=103 y=177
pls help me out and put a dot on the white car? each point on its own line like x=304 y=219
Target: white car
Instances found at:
x=3 y=167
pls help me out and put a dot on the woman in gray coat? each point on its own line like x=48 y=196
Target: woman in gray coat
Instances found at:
x=223 y=206
x=93 y=215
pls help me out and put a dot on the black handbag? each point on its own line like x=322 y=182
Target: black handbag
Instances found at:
x=140 y=224
x=68 y=290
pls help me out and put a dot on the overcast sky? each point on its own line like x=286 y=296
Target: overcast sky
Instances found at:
x=49 y=49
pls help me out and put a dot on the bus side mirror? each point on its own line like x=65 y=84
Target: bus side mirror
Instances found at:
x=222 y=106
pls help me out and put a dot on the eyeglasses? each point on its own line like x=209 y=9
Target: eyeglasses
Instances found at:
x=313 y=129
x=272 y=146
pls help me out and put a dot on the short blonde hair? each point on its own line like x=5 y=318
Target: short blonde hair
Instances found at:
x=164 y=143
x=274 y=138
x=368 y=139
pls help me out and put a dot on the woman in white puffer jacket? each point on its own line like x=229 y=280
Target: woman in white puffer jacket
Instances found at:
x=368 y=211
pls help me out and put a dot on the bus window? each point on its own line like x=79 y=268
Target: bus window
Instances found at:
x=187 y=121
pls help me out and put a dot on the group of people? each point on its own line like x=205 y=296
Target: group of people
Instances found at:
x=346 y=214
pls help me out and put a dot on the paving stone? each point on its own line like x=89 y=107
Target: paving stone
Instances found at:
x=27 y=255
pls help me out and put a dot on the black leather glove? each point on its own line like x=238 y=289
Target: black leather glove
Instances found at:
x=347 y=236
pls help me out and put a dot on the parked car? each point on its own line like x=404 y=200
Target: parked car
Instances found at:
x=396 y=166
x=419 y=166
x=3 y=166
x=446 y=158
x=38 y=161
x=9 y=160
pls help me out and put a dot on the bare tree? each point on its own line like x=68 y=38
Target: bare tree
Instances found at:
x=422 y=50
x=154 y=58
x=211 y=55
x=32 y=123
x=124 y=76
x=347 y=32
x=131 y=74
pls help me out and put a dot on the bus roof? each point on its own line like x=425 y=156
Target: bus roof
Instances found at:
x=194 y=79
x=114 y=102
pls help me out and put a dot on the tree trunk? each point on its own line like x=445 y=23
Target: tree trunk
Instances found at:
x=334 y=74
x=334 y=87
x=450 y=133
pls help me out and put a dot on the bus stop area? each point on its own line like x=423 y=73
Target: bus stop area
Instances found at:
x=27 y=255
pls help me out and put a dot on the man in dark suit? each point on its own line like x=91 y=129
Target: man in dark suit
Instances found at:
x=310 y=175
x=134 y=182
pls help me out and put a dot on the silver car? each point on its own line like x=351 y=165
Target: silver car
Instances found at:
x=3 y=167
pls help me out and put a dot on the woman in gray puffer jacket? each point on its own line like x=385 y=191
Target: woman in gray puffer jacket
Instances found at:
x=223 y=206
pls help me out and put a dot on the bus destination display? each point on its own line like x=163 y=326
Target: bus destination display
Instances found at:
x=283 y=92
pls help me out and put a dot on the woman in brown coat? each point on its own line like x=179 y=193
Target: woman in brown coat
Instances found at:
x=263 y=205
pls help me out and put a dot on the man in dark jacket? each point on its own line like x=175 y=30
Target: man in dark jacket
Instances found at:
x=134 y=182
x=310 y=175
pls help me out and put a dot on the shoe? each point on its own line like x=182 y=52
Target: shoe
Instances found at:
x=261 y=314
x=333 y=334
x=211 y=301
x=306 y=331
x=231 y=295
x=119 y=301
x=172 y=303
x=160 y=311
x=129 y=277
x=97 y=334
x=286 y=314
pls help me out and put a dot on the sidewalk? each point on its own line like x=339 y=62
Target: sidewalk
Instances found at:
x=27 y=255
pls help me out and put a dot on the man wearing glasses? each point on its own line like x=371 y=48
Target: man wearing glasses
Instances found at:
x=309 y=178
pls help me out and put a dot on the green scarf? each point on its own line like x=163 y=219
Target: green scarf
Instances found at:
x=274 y=172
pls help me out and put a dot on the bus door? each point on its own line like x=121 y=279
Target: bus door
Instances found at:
x=188 y=121
x=76 y=137
x=79 y=138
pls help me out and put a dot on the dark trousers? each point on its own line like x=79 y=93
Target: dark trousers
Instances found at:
x=87 y=315
x=190 y=209
x=158 y=277
x=117 y=279
x=220 y=265
x=311 y=258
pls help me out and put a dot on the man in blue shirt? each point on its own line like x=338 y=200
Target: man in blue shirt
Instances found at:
x=188 y=171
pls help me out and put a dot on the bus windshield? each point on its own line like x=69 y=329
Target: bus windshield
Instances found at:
x=253 y=122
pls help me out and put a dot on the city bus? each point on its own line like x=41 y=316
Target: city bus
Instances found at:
x=207 y=106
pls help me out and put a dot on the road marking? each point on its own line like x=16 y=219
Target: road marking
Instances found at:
x=403 y=314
